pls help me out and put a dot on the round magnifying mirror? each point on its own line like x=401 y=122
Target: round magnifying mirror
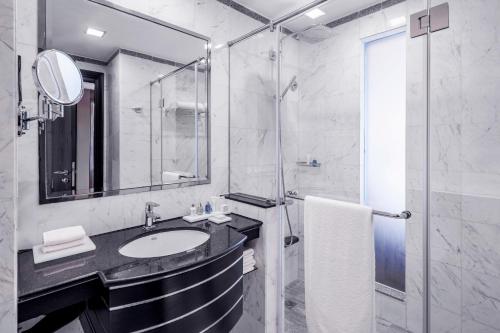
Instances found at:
x=58 y=78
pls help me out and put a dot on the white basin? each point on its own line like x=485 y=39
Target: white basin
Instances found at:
x=164 y=243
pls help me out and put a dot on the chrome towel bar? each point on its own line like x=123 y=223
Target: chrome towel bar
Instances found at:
x=404 y=215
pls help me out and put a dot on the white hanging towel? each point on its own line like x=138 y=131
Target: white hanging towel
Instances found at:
x=339 y=267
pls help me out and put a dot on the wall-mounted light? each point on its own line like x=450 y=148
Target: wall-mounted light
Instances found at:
x=315 y=13
x=95 y=32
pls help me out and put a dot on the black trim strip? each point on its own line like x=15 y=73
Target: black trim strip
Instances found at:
x=363 y=12
x=244 y=10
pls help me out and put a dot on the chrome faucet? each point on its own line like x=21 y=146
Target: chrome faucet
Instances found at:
x=150 y=215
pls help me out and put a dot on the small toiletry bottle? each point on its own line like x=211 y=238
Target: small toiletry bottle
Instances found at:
x=192 y=210
x=208 y=208
x=199 y=210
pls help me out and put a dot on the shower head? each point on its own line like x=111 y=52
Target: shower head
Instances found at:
x=315 y=34
x=292 y=85
x=312 y=34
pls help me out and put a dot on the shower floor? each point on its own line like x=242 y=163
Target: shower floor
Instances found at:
x=295 y=312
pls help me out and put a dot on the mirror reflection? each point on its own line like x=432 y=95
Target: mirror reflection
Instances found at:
x=142 y=122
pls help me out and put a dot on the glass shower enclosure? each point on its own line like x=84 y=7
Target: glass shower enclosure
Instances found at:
x=357 y=109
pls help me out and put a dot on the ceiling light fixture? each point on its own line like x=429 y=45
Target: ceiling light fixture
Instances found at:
x=95 y=32
x=315 y=13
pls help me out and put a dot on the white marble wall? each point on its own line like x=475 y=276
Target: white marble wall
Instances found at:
x=465 y=105
x=8 y=277
x=253 y=136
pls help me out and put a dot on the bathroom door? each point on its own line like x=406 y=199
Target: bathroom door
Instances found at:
x=61 y=155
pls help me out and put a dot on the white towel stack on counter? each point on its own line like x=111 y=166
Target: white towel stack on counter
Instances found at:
x=60 y=243
x=248 y=261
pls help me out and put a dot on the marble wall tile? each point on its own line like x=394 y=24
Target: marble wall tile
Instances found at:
x=446 y=286
x=481 y=248
x=390 y=310
x=481 y=295
x=8 y=163
x=443 y=321
x=446 y=240
x=470 y=326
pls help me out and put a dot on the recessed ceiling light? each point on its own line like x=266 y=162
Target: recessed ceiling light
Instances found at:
x=95 y=32
x=315 y=13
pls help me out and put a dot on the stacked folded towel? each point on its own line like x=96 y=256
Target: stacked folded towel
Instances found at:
x=248 y=261
x=64 y=238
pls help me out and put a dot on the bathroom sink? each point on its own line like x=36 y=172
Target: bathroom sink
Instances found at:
x=164 y=243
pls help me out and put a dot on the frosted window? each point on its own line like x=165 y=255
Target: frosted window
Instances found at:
x=384 y=156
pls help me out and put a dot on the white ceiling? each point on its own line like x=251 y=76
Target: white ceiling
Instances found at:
x=334 y=9
x=67 y=21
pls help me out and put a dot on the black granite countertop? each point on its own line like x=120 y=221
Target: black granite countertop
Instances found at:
x=111 y=267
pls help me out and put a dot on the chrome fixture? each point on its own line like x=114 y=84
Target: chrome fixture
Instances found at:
x=271 y=25
x=404 y=215
x=150 y=215
x=312 y=34
x=292 y=85
x=59 y=82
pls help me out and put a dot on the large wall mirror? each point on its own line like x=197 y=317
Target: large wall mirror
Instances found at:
x=143 y=120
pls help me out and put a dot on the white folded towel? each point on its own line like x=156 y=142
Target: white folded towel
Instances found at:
x=250 y=262
x=248 y=252
x=248 y=269
x=176 y=175
x=62 y=246
x=63 y=235
x=185 y=105
x=339 y=261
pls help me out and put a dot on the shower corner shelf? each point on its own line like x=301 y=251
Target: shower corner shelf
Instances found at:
x=310 y=165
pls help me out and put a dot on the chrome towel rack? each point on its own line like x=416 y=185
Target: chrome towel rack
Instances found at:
x=404 y=215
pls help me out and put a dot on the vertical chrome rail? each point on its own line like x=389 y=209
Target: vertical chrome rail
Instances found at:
x=427 y=193
x=279 y=194
x=196 y=116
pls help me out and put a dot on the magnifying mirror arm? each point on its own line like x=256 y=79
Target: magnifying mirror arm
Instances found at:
x=23 y=120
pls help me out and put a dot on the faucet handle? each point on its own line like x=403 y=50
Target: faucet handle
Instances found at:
x=150 y=205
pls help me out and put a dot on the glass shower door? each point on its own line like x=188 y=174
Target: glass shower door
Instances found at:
x=324 y=133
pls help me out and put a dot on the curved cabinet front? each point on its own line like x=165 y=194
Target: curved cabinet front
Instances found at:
x=206 y=298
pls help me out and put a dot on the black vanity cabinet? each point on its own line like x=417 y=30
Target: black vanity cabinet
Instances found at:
x=200 y=290
x=207 y=298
